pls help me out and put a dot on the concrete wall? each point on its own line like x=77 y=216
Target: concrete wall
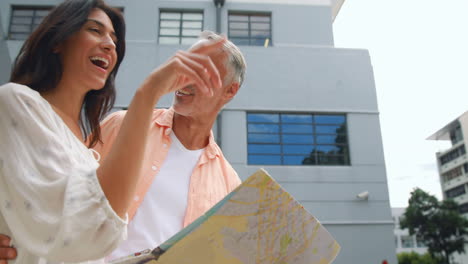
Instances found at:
x=5 y=60
x=329 y=192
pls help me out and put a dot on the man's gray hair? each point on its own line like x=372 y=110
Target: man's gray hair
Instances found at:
x=236 y=58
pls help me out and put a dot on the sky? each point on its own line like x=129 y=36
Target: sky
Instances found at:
x=419 y=53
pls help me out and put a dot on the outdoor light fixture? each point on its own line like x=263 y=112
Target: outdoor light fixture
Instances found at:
x=363 y=196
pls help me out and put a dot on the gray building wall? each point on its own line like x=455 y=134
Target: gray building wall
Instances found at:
x=5 y=60
x=300 y=72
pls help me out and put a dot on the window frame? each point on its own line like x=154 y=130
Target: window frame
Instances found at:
x=181 y=20
x=453 y=173
x=409 y=239
x=318 y=160
x=35 y=9
x=463 y=208
x=455 y=191
x=249 y=14
x=456 y=135
x=452 y=155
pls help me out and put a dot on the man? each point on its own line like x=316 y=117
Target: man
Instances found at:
x=184 y=171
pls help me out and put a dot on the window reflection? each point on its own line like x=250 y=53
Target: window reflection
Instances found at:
x=297 y=139
x=246 y=28
x=180 y=27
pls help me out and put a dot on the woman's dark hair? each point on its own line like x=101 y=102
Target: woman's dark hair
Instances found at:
x=40 y=68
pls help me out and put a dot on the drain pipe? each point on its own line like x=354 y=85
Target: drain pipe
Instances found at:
x=219 y=4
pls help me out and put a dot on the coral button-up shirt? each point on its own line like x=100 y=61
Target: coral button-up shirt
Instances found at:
x=211 y=180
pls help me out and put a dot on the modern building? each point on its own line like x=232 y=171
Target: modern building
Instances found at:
x=453 y=167
x=307 y=111
x=404 y=242
x=453 y=162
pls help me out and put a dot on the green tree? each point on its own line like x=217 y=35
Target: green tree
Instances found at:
x=415 y=258
x=438 y=224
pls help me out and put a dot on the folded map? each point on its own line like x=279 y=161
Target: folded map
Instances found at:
x=258 y=222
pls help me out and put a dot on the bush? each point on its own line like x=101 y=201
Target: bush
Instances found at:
x=415 y=258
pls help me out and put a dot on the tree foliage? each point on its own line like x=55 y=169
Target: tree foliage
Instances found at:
x=438 y=224
x=415 y=258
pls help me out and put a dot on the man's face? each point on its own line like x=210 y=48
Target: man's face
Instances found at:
x=190 y=102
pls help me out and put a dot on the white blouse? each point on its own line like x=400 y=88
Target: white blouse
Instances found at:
x=51 y=202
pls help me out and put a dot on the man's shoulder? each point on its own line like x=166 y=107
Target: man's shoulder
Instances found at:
x=115 y=116
x=118 y=116
x=159 y=111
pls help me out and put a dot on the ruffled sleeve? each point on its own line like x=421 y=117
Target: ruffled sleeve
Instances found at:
x=51 y=199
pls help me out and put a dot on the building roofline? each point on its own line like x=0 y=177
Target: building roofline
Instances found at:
x=336 y=7
x=444 y=133
x=335 y=4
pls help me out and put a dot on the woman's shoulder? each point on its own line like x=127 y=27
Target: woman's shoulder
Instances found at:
x=14 y=92
x=16 y=89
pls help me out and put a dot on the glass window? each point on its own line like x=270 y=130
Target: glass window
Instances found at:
x=452 y=174
x=297 y=129
x=456 y=135
x=263 y=118
x=264 y=159
x=263 y=138
x=455 y=192
x=180 y=27
x=407 y=242
x=420 y=242
x=296 y=119
x=453 y=154
x=463 y=208
x=25 y=19
x=296 y=139
x=264 y=149
x=263 y=128
x=247 y=28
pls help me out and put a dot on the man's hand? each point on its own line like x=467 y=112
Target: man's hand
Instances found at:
x=191 y=67
x=6 y=252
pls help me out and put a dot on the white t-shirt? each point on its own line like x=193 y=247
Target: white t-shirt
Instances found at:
x=161 y=214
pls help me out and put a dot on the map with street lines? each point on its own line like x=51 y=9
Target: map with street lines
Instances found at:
x=257 y=223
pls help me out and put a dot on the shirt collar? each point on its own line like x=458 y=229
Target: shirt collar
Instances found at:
x=166 y=120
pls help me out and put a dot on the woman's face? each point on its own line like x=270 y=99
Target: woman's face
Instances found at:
x=89 y=55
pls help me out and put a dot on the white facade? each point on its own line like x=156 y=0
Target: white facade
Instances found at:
x=405 y=242
x=301 y=72
x=453 y=167
x=453 y=162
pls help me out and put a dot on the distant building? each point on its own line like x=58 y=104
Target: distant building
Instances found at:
x=453 y=162
x=404 y=242
x=453 y=167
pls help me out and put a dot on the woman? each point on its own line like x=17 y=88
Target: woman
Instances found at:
x=57 y=203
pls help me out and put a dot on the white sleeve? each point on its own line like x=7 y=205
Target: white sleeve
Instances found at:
x=50 y=196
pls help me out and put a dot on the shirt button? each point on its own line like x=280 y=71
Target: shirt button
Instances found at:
x=165 y=145
x=154 y=168
x=136 y=198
